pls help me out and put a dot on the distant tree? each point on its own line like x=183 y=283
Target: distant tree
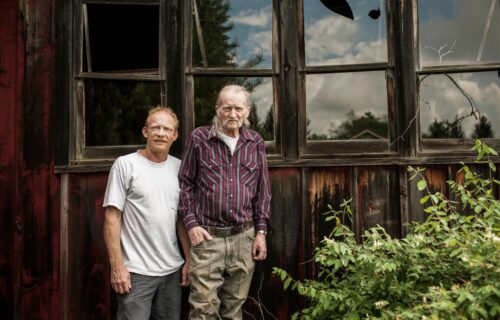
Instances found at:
x=314 y=136
x=483 y=129
x=356 y=124
x=220 y=50
x=445 y=130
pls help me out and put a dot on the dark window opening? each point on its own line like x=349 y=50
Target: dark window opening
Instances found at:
x=122 y=37
x=115 y=111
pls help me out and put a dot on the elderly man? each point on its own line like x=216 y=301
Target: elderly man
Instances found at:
x=140 y=225
x=225 y=200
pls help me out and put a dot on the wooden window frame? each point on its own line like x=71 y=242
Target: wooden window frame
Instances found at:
x=290 y=147
x=273 y=148
x=342 y=149
x=79 y=153
x=453 y=147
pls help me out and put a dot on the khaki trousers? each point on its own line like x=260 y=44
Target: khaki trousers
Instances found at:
x=220 y=272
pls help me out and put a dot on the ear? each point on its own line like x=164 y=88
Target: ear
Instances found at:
x=145 y=132
x=175 y=136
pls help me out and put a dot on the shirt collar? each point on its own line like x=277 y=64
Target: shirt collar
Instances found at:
x=244 y=134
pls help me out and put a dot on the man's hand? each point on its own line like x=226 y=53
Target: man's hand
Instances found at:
x=197 y=235
x=120 y=279
x=259 y=249
x=185 y=273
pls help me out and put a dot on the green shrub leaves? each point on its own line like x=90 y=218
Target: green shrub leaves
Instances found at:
x=447 y=267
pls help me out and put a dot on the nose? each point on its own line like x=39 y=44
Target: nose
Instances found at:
x=162 y=132
x=233 y=113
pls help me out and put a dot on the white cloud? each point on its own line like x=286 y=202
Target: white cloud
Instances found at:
x=258 y=42
x=262 y=97
x=253 y=18
x=329 y=36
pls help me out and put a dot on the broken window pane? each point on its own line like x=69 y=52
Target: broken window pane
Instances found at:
x=459 y=31
x=262 y=110
x=122 y=37
x=115 y=111
x=460 y=105
x=232 y=33
x=345 y=32
x=344 y=106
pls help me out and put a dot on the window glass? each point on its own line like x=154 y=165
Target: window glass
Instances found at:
x=234 y=33
x=262 y=110
x=460 y=105
x=459 y=31
x=115 y=111
x=345 y=32
x=344 y=106
x=122 y=37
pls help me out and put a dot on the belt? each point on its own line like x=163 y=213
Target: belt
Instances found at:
x=223 y=232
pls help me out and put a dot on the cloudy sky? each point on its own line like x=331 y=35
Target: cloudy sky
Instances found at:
x=460 y=27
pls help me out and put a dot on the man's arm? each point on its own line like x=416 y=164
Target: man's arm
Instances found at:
x=186 y=246
x=187 y=183
x=261 y=206
x=120 y=277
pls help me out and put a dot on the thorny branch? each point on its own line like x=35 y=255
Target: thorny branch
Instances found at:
x=474 y=109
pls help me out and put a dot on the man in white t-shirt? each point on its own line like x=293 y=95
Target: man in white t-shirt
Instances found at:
x=140 y=224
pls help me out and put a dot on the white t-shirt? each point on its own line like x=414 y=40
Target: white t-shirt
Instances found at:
x=147 y=193
x=229 y=141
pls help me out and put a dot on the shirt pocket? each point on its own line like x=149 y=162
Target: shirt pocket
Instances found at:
x=250 y=172
x=210 y=174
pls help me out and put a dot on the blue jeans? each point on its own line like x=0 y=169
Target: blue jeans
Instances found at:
x=155 y=298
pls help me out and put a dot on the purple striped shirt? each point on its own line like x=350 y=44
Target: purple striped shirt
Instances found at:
x=219 y=189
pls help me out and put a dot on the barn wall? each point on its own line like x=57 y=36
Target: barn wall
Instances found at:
x=53 y=262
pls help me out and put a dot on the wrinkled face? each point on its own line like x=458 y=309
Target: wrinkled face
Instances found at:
x=160 y=132
x=232 y=111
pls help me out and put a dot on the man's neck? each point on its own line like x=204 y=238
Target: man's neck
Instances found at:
x=154 y=157
x=231 y=134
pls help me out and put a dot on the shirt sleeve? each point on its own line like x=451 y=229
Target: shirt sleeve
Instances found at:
x=262 y=202
x=118 y=184
x=187 y=182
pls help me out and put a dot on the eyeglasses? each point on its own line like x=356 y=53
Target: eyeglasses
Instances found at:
x=228 y=108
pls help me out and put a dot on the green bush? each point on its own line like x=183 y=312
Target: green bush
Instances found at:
x=445 y=268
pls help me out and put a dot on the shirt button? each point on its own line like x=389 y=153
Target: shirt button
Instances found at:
x=231 y=196
x=230 y=179
x=230 y=210
x=230 y=164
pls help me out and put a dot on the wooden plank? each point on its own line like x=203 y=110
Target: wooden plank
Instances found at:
x=285 y=246
x=88 y=276
x=12 y=67
x=377 y=199
x=405 y=63
x=289 y=83
x=342 y=68
x=40 y=296
x=327 y=187
x=63 y=62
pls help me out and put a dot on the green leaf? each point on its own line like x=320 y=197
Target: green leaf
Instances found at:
x=287 y=283
x=492 y=166
x=424 y=199
x=434 y=198
x=421 y=185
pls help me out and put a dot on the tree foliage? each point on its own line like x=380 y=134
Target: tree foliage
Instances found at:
x=447 y=267
x=483 y=129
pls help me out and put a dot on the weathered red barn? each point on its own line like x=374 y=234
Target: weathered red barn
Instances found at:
x=347 y=94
